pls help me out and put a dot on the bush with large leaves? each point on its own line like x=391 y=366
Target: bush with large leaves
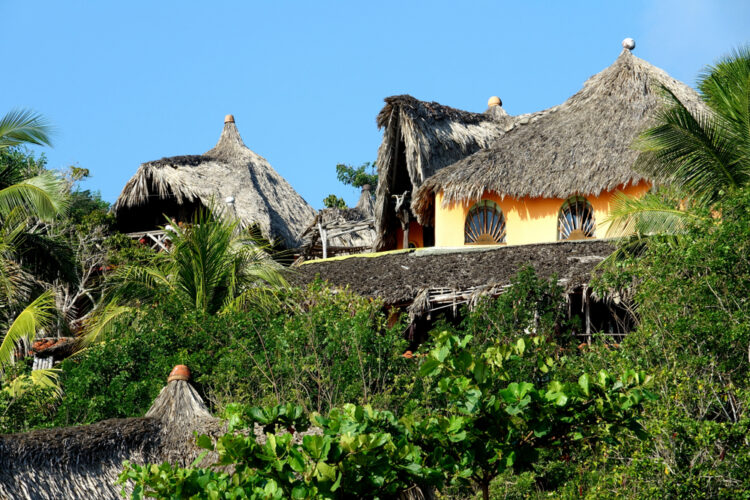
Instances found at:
x=365 y=453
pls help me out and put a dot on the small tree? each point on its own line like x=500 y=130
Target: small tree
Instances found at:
x=333 y=201
x=484 y=430
x=357 y=176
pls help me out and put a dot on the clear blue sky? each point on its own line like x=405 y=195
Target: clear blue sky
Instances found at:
x=129 y=82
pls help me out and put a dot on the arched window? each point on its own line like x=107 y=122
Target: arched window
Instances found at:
x=485 y=224
x=576 y=220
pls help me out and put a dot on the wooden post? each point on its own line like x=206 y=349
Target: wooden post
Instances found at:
x=405 y=226
x=587 y=309
x=324 y=239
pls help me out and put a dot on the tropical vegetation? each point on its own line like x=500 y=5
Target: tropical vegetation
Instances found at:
x=502 y=400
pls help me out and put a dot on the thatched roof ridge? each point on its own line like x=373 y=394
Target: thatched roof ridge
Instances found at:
x=427 y=136
x=400 y=277
x=423 y=110
x=229 y=170
x=583 y=146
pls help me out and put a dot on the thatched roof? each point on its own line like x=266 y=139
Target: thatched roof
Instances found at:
x=583 y=146
x=349 y=230
x=399 y=278
x=420 y=138
x=228 y=171
x=84 y=461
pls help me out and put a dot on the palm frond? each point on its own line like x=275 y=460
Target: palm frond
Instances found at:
x=694 y=151
x=24 y=127
x=650 y=214
x=129 y=284
x=264 y=298
x=725 y=86
x=48 y=378
x=101 y=323
x=42 y=196
x=35 y=317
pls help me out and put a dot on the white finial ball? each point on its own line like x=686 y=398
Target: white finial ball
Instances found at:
x=628 y=43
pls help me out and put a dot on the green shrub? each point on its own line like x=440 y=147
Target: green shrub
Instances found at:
x=326 y=349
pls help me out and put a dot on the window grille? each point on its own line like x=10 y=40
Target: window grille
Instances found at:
x=485 y=224
x=576 y=220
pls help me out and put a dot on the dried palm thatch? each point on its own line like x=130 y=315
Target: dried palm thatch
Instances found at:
x=257 y=194
x=346 y=231
x=583 y=146
x=84 y=461
x=419 y=278
x=419 y=139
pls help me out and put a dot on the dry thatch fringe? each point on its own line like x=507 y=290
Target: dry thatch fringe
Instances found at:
x=583 y=146
x=75 y=462
x=430 y=136
x=230 y=169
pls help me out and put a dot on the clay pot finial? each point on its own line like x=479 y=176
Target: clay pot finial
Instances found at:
x=179 y=372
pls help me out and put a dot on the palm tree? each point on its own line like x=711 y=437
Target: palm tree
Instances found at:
x=213 y=266
x=39 y=198
x=703 y=155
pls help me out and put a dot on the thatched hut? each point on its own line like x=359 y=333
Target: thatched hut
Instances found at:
x=229 y=176
x=337 y=231
x=85 y=461
x=554 y=174
x=420 y=138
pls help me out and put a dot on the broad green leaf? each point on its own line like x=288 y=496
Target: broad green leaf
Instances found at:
x=205 y=442
x=429 y=367
x=583 y=381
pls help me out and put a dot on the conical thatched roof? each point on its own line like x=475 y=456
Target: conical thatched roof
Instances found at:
x=583 y=146
x=348 y=230
x=85 y=461
x=229 y=171
x=420 y=138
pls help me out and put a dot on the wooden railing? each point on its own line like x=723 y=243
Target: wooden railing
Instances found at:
x=156 y=239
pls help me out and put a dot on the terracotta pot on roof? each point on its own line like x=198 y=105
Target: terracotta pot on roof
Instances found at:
x=179 y=372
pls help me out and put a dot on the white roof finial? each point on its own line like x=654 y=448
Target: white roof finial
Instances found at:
x=628 y=43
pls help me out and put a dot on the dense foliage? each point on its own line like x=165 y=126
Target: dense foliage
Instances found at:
x=324 y=350
x=364 y=453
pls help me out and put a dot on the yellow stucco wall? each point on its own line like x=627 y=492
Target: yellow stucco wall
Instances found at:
x=415 y=235
x=528 y=220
